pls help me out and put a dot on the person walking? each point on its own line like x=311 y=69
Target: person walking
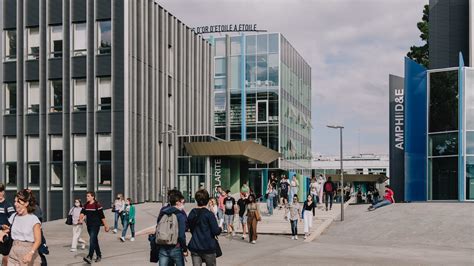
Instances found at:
x=128 y=220
x=221 y=209
x=307 y=215
x=328 y=193
x=321 y=181
x=242 y=204
x=245 y=188
x=313 y=188
x=25 y=230
x=229 y=204
x=213 y=207
x=284 y=187
x=294 y=187
x=94 y=213
x=6 y=210
x=174 y=254
x=273 y=183
x=117 y=209
x=204 y=230
x=294 y=210
x=270 y=197
x=253 y=217
x=387 y=199
x=75 y=211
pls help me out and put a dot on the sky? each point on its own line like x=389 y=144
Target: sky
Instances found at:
x=351 y=45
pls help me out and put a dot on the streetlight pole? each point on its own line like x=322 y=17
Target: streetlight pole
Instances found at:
x=342 y=171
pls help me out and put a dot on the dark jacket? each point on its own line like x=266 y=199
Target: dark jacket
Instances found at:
x=204 y=229
x=310 y=207
x=181 y=223
x=332 y=184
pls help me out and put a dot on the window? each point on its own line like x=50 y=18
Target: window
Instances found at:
x=79 y=42
x=262 y=76
x=220 y=67
x=105 y=37
x=104 y=93
x=32 y=43
x=236 y=46
x=219 y=83
x=220 y=47
x=104 y=160
x=273 y=66
x=33 y=161
x=33 y=97
x=262 y=44
x=56 y=159
x=80 y=95
x=273 y=43
x=56 y=99
x=262 y=111
x=235 y=72
x=170 y=60
x=56 y=41
x=10 y=45
x=79 y=160
x=10 y=155
x=443 y=102
x=10 y=98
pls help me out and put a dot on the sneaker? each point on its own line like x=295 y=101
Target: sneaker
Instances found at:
x=98 y=259
x=73 y=249
x=305 y=236
x=83 y=246
x=292 y=237
x=233 y=233
x=225 y=231
x=115 y=231
x=132 y=239
x=254 y=242
x=244 y=236
x=296 y=237
x=122 y=239
x=87 y=259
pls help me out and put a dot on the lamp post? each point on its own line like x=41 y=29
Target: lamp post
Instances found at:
x=342 y=171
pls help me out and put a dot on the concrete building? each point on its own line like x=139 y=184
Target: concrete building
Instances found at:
x=94 y=96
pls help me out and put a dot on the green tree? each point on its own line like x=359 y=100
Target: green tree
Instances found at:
x=420 y=53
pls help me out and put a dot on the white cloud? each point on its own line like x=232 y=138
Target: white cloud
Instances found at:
x=351 y=45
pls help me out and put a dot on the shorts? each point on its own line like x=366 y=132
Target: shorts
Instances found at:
x=243 y=219
x=284 y=195
x=229 y=219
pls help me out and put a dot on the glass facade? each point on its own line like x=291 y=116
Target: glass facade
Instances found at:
x=469 y=128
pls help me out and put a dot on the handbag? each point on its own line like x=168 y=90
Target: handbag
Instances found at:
x=69 y=219
x=154 y=249
x=258 y=216
x=6 y=246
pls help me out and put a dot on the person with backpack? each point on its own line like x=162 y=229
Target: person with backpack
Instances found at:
x=229 y=204
x=284 y=186
x=328 y=193
x=75 y=212
x=94 y=213
x=128 y=220
x=170 y=231
x=204 y=230
x=6 y=210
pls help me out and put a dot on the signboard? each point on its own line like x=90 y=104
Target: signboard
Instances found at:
x=397 y=136
x=226 y=28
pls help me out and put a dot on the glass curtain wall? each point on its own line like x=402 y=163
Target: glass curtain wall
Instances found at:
x=469 y=116
x=443 y=135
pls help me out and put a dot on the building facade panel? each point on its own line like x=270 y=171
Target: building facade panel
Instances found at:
x=9 y=14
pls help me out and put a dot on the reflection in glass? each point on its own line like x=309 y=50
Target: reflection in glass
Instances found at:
x=262 y=70
x=469 y=177
x=273 y=43
x=250 y=71
x=443 y=178
x=470 y=142
x=220 y=47
x=273 y=70
x=469 y=92
x=443 y=104
x=262 y=44
x=251 y=44
x=10 y=45
x=235 y=45
x=443 y=144
x=220 y=67
x=219 y=83
x=235 y=72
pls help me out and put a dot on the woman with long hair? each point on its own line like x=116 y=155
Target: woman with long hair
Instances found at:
x=75 y=211
x=307 y=214
x=253 y=217
x=128 y=220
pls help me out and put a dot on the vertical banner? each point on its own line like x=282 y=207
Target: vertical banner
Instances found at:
x=397 y=136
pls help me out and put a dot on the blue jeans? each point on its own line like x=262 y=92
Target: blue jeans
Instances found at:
x=294 y=227
x=171 y=256
x=94 y=240
x=270 y=205
x=126 y=224
x=117 y=215
x=381 y=203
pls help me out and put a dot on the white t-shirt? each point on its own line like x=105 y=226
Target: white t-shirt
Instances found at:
x=22 y=227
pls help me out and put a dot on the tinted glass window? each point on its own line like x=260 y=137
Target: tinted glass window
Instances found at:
x=443 y=144
x=444 y=178
x=443 y=105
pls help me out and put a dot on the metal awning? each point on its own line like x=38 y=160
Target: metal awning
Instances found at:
x=247 y=149
x=359 y=178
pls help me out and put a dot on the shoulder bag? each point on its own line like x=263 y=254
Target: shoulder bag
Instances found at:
x=6 y=246
x=69 y=217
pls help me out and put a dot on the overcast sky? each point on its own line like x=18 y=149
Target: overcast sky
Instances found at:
x=352 y=47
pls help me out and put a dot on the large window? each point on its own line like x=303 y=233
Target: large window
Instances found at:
x=273 y=67
x=104 y=100
x=220 y=83
x=79 y=42
x=56 y=96
x=32 y=43
x=236 y=72
x=104 y=38
x=79 y=160
x=220 y=67
x=10 y=98
x=273 y=43
x=443 y=104
x=262 y=111
x=33 y=97
x=56 y=159
x=79 y=100
x=262 y=43
x=262 y=75
x=10 y=45
x=10 y=155
x=56 y=41
x=104 y=160
x=235 y=45
x=443 y=181
x=443 y=144
x=250 y=71
x=220 y=47
x=33 y=161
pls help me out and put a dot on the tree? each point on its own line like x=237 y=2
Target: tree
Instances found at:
x=420 y=53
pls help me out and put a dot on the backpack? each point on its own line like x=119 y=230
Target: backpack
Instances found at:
x=167 y=229
x=328 y=187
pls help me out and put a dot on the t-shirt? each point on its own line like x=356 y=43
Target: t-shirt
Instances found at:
x=220 y=202
x=284 y=186
x=389 y=195
x=314 y=186
x=229 y=203
x=94 y=214
x=6 y=210
x=22 y=227
x=242 y=204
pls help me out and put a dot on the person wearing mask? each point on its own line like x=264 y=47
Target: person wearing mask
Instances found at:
x=95 y=218
x=387 y=199
x=294 y=187
x=117 y=208
x=25 y=229
x=253 y=217
x=174 y=254
x=128 y=220
x=75 y=211
x=284 y=187
x=204 y=230
x=307 y=215
x=328 y=193
x=294 y=210
x=242 y=204
x=6 y=210
x=229 y=204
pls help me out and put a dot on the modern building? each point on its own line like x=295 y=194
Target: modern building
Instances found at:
x=262 y=93
x=94 y=96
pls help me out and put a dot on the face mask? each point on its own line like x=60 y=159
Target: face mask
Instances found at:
x=77 y=204
x=180 y=207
